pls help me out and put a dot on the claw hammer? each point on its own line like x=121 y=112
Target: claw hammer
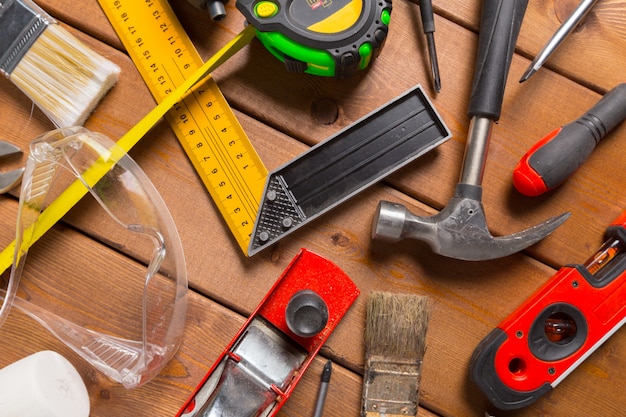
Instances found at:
x=460 y=229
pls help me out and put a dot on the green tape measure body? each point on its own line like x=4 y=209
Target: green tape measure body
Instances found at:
x=335 y=38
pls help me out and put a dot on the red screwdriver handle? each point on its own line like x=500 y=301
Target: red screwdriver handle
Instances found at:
x=555 y=157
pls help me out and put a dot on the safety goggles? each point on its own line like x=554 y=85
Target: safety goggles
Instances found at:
x=140 y=328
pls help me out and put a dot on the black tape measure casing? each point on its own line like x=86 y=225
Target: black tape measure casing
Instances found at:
x=335 y=38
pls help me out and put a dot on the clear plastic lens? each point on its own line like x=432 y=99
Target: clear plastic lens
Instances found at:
x=138 y=330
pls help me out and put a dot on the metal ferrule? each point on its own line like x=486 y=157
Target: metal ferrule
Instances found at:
x=391 y=388
x=21 y=24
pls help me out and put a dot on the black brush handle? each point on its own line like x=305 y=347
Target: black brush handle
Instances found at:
x=500 y=24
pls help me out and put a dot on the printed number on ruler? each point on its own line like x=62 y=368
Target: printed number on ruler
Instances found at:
x=204 y=123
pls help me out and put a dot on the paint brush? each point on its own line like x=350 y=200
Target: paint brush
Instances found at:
x=395 y=336
x=59 y=73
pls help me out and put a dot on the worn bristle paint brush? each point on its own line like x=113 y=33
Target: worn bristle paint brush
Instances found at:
x=59 y=73
x=395 y=342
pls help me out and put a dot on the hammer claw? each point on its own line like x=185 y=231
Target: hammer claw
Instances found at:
x=459 y=231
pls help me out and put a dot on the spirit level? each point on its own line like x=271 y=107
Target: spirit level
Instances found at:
x=203 y=122
x=557 y=328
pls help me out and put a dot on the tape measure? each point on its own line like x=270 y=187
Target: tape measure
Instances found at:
x=335 y=38
x=203 y=122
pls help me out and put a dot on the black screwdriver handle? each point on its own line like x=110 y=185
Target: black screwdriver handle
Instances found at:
x=500 y=24
x=606 y=113
x=428 y=20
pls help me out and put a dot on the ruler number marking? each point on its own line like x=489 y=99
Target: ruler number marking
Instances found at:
x=228 y=177
x=227 y=165
x=237 y=209
x=215 y=143
x=224 y=146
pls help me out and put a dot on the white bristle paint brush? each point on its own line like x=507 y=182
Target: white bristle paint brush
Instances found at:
x=395 y=342
x=60 y=74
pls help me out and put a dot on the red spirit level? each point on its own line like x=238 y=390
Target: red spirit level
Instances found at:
x=556 y=329
x=261 y=366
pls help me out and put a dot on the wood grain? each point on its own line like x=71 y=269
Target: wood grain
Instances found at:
x=284 y=114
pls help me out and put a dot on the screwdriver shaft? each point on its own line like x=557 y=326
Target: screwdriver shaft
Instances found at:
x=428 y=23
x=434 y=64
x=559 y=36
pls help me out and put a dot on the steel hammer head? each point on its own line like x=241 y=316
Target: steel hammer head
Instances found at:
x=459 y=231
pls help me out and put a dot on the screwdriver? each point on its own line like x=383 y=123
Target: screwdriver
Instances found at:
x=428 y=24
x=559 y=36
x=554 y=158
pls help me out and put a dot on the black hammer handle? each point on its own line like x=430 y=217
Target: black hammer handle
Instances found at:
x=500 y=23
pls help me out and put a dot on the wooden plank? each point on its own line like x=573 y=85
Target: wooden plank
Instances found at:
x=593 y=54
x=470 y=299
x=462 y=302
x=601 y=36
x=450 y=292
x=530 y=112
x=48 y=281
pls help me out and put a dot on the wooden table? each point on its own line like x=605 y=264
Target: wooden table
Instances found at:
x=285 y=113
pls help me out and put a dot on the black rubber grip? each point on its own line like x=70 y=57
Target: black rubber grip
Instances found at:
x=606 y=113
x=556 y=160
x=426 y=11
x=483 y=373
x=500 y=23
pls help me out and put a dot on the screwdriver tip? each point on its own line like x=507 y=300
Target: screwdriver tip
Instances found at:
x=434 y=63
x=437 y=82
x=529 y=72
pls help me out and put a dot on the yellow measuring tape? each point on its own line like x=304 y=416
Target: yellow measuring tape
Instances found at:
x=204 y=123
x=72 y=195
